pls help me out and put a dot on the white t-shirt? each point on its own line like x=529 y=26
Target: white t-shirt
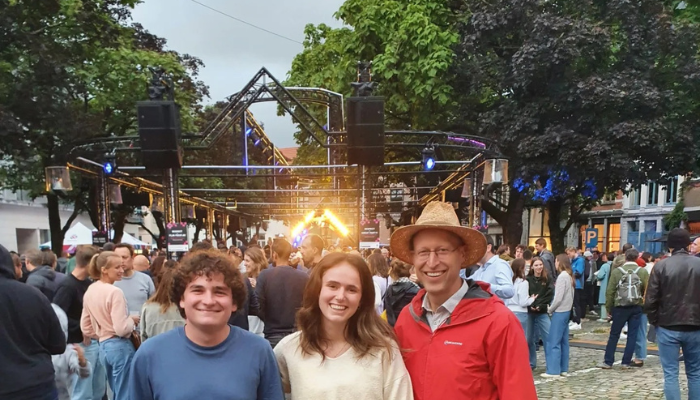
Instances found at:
x=378 y=376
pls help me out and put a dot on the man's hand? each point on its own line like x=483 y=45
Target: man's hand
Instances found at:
x=136 y=319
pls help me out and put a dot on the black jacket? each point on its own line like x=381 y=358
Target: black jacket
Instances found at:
x=250 y=307
x=544 y=292
x=398 y=295
x=671 y=299
x=29 y=334
x=69 y=296
x=548 y=260
x=44 y=279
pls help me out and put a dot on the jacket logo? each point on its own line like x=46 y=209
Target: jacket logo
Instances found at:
x=447 y=342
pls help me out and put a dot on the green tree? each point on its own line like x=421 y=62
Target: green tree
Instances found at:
x=69 y=71
x=583 y=97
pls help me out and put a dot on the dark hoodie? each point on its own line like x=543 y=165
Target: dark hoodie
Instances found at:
x=398 y=296
x=44 y=279
x=29 y=334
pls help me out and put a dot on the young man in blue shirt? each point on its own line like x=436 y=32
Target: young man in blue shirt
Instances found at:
x=578 y=267
x=207 y=358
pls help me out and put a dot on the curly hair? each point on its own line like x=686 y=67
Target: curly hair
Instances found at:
x=365 y=331
x=207 y=263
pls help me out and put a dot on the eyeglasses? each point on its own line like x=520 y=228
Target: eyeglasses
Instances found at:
x=424 y=255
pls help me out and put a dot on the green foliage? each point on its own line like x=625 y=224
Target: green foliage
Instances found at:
x=411 y=49
x=601 y=90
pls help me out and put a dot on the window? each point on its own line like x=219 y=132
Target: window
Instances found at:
x=539 y=218
x=613 y=237
x=635 y=197
x=44 y=235
x=652 y=193
x=672 y=191
x=396 y=195
x=633 y=226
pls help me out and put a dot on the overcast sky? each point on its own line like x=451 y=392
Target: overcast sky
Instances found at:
x=232 y=51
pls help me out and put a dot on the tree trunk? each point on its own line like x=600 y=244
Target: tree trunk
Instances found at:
x=160 y=222
x=510 y=220
x=198 y=225
x=556 y=232
x=55 y=228
x=513 y=229
x=119 y=214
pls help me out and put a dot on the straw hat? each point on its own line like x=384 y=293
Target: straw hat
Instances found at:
x=438 y=215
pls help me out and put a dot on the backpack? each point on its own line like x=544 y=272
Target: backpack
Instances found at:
x=629 y=288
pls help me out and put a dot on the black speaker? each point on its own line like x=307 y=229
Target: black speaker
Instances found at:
x=159 y=131
x=365 y=117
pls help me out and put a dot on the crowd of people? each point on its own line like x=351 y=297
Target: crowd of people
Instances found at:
x=439 y=314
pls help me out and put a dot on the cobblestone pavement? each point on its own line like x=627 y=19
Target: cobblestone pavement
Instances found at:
x=586 y=381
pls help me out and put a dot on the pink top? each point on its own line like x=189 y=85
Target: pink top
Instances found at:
x=105 y=313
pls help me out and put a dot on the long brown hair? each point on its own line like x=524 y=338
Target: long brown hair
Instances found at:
x=365 y=330
x=518 y=267
x=157 y=269
x=259 y=262
x=378 y=266
x=544 y=276
x=165 y=283
x=565 y=266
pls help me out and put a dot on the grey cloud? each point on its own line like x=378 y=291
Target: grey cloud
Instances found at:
x=233 y=52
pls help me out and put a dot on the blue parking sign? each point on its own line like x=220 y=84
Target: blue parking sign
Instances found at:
x=590 y=238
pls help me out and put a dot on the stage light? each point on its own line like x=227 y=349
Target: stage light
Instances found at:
x=248 y=131
x=428 y=158
x=336 y=222
x=109 y=166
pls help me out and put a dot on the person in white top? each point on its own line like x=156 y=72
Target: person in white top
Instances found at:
x=521 y=299
x=379 y=269
x=343 y=349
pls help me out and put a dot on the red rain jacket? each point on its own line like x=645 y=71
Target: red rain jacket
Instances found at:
x=480 y=353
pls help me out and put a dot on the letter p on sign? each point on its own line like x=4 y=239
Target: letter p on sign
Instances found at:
x=591 y=238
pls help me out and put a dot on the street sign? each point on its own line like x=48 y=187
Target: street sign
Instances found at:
x=99 y=239
x=177 y=236
x=590 y=238
x=369 y=235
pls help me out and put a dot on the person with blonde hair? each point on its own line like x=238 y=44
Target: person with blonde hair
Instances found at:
x=343 y=349
x=105 y=317
x=160 y=314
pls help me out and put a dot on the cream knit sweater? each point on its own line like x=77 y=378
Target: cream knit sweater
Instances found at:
x=378 y=376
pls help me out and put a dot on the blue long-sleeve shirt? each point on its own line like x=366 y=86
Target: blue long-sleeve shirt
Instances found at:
x=498 y=273
x=578 y=267
x=170 y=366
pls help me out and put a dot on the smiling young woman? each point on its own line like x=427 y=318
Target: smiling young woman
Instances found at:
x=341 y=340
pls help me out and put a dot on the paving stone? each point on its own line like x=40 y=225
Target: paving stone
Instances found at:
x=587 y=382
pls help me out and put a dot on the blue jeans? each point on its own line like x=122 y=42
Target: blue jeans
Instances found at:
x=640 y=348
x=94 y=386
x=629 y=315
x=522 y=317
x=557 y=346
x=537 y=323
x=670 y=342
x=116 y=355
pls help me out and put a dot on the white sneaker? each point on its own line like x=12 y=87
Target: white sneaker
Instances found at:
x=546 y=375
x=575 y=327
x=594 y=313
x=564 y=374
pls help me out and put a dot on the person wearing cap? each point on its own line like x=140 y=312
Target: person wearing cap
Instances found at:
x=671 y=303
x=459 y=338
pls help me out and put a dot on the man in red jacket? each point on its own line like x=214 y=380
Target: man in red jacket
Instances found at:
x=460 y=340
